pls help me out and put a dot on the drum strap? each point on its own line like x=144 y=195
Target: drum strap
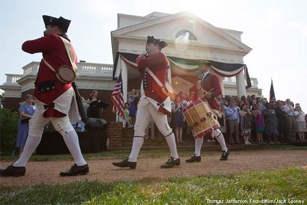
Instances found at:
x=68 y=49
x=154 y=77
x=158 y=81
x=50 y=66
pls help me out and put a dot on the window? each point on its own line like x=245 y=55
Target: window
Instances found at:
x=187 y=34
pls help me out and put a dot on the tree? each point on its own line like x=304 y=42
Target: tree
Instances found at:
x=1 y=100
x=8 y=131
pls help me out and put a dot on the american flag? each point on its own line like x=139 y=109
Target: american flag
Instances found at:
x=117 y=98
x=272 y=91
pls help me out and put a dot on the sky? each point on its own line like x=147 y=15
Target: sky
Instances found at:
x=276 y=30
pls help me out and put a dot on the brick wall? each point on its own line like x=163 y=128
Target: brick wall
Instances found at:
x=114 y=133
x=11 y=103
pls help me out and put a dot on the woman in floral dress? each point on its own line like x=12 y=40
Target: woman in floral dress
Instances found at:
x=271 y=125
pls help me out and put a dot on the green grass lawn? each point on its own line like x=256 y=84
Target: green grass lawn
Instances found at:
x=270 y=187
x=282 y=186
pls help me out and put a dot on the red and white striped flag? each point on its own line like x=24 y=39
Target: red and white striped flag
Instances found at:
x=117 y=98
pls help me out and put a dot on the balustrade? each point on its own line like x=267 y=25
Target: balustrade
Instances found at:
x=84 y=69
x=11 y=79
x=94 y=70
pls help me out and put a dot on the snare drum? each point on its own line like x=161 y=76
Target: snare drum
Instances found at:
x=200 y=118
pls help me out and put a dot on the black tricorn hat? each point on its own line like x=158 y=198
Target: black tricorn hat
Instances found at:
x=60 y=22
x=151 y=39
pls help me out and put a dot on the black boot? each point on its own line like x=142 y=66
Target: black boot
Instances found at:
x=125 y=163
x=12 y=171
x=224 y=156
x=75 y=170
x=194 y=159
x=170 y=163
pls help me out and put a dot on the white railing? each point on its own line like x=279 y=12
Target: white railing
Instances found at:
x=84 y=69
x=11 y=79
x=94 y=69
x=31 y=69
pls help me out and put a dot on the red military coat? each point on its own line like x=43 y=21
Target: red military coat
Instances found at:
x=158 y=64
x=211 y=83
x=54 y=52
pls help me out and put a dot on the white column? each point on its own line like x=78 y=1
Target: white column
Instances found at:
x=222 y=85
x=124 y=69
x=240 y=84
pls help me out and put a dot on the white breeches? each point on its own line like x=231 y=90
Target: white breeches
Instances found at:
x=38 y=122
x=147 y=112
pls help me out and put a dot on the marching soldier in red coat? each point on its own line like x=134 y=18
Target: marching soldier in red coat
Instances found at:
x=55 y=100
x=154 y=103
x=210 y=88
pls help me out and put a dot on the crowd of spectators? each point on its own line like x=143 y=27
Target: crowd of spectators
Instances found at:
x=273 y=121
x=248 y=120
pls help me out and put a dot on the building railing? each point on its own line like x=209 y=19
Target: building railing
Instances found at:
x=94 y=70
x=11 y=79
x=84 y=69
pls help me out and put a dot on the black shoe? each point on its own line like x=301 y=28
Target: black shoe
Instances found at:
x=125 y=163
x=170 y=163
x=75 y=170
x=224 y=156
x=194 y=159
x=12 y=171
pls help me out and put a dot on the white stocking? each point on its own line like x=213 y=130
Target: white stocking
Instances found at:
x=31 y=144
x=220 y=138
x=198 y=145
x=172 y=145
x=136 y=147
x=72 y=142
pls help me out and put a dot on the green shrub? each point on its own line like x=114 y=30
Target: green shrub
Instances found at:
x=8 y=131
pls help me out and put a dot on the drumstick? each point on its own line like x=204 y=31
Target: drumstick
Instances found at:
x=205 y=92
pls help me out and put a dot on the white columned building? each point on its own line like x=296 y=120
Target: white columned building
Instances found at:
x=189 y=40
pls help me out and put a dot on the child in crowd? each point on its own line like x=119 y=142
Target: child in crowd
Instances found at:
x=127 y=122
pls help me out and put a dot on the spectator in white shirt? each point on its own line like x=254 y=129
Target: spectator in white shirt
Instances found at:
x=300 y=122
x=233 y=117
x=291 y=122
